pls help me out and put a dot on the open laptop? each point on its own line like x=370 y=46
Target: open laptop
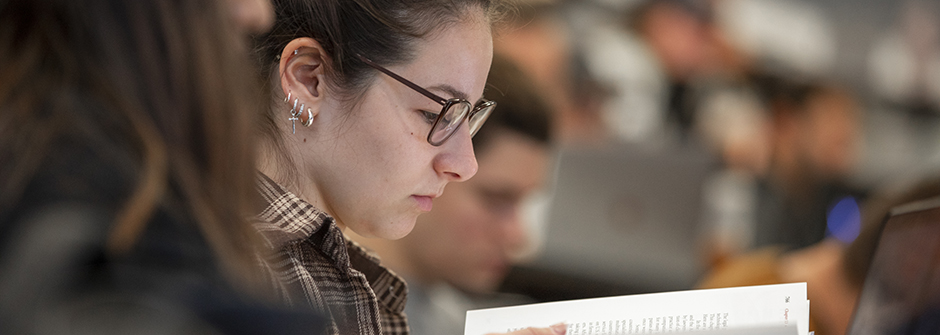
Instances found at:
x=901 y=294
x=627 y=215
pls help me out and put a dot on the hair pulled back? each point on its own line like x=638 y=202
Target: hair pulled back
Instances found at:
x=384 y=31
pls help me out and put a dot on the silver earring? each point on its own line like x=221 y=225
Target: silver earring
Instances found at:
x=293 y=127
x=293 y=115
x=309 y=118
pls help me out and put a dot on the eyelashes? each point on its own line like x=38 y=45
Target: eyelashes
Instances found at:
x=429 y=117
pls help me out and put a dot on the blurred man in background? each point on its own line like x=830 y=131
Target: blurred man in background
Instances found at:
x=814 y=137
x=538 y=38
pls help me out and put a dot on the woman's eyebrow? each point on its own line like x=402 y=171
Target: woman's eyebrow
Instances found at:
x=450 y=90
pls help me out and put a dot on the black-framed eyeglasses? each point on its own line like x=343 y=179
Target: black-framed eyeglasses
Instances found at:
x=453 y=112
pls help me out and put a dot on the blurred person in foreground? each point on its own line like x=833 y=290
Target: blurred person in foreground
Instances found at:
x=459 y=253
x=126 y=168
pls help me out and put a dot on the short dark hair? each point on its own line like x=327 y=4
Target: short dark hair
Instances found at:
x=702 y=11
x=790 y=96
x=520 y=107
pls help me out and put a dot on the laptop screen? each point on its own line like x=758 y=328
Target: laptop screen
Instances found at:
x=901 y=294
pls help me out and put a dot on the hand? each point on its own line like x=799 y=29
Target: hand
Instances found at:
x=555 y=329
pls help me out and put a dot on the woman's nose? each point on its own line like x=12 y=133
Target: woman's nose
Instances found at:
x=456 y=160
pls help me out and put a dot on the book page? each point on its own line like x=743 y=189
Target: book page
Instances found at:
x=782 y=306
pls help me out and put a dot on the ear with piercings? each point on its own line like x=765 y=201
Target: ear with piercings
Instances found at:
x=302 y=68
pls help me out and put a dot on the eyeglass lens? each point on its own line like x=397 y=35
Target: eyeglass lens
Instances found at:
x=454 y=114
x=477 y=120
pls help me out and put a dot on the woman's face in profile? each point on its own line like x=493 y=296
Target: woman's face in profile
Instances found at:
x=381 y=172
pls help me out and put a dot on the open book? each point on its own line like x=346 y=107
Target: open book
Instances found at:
x=762 y=310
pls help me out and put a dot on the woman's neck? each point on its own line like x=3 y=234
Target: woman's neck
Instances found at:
x=278 y=166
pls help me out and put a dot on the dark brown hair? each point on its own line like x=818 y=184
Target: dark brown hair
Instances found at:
x=157 y=86
x=382 y=30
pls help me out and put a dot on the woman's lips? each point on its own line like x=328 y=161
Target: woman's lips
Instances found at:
x=424 y=202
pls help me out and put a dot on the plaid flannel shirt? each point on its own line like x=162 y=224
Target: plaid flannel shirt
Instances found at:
x=312 y=264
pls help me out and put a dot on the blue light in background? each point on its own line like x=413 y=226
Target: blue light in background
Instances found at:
x=844 y=220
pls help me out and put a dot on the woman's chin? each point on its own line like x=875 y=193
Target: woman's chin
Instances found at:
x=388 y=230
x=400 y=231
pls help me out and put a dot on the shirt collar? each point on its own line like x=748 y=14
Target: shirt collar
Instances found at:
x=286 y=219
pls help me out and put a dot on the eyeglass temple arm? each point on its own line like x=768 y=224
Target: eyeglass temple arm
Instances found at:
x=408 y=83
